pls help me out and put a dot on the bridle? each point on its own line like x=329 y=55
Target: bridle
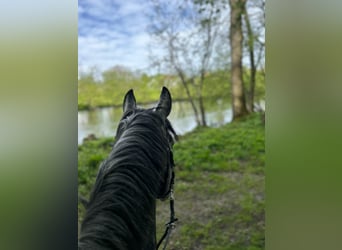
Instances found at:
x=171 y=224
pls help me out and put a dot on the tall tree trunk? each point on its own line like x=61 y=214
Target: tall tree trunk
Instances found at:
x=250 y=42
x=238 y=93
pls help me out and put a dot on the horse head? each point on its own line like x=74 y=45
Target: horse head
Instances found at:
x=160 y=112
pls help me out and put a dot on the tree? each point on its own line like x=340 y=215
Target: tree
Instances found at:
x=186 y=34
x=250 y=45
x=87 y=88
x=252 y=38
x=238 y=94
x=254 y=27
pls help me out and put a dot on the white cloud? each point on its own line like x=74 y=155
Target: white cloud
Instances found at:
x=112 y=33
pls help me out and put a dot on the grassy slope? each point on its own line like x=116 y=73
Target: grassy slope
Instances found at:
x=219 y=187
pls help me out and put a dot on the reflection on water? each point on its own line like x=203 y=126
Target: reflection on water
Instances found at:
x=103 y=121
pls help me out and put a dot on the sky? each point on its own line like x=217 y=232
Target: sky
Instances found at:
x=112 y=32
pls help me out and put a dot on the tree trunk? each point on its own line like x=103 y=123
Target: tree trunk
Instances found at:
x=238 y=93
x=250 y=101
x=185 y=85
x=202 y=110
x=200 y=99
x=194 y=108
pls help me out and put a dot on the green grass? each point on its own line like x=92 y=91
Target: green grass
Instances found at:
x=219 y=188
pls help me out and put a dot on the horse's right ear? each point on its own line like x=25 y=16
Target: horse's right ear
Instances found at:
x=165 y=102
x=129 y=102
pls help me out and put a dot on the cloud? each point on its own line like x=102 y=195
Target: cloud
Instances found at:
x=112 y=33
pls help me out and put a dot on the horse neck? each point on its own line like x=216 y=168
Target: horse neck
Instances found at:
x=117 y=220
x=152 y=242
x=122 y=207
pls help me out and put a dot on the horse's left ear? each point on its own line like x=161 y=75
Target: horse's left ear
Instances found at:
x=129 y=102
x=165 y=102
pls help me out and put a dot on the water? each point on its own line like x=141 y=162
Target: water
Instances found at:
x=103 y=121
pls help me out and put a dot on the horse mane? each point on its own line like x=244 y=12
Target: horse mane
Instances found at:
x=118 y=213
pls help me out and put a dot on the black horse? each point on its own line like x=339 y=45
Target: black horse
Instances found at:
x=121 y=210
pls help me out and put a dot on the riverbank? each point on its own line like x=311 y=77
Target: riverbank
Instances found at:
x=83 y=107
x=219 y=187
x=87 y=107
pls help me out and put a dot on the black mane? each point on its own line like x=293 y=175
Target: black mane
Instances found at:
x=121 y=209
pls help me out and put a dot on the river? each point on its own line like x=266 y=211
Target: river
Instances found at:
x=102 y=122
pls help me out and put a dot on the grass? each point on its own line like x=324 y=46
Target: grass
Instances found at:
x=219 y=188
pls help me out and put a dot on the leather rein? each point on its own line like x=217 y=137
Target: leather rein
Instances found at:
x=171 y=224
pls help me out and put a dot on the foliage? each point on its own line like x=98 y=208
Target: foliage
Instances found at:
x=219 y=187
x=228 y=148
x=117 y=81
x=260 y=87
x=90 y=155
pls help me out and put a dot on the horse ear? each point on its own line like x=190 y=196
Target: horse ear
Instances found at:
x=165 y=102
x=129 y=102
